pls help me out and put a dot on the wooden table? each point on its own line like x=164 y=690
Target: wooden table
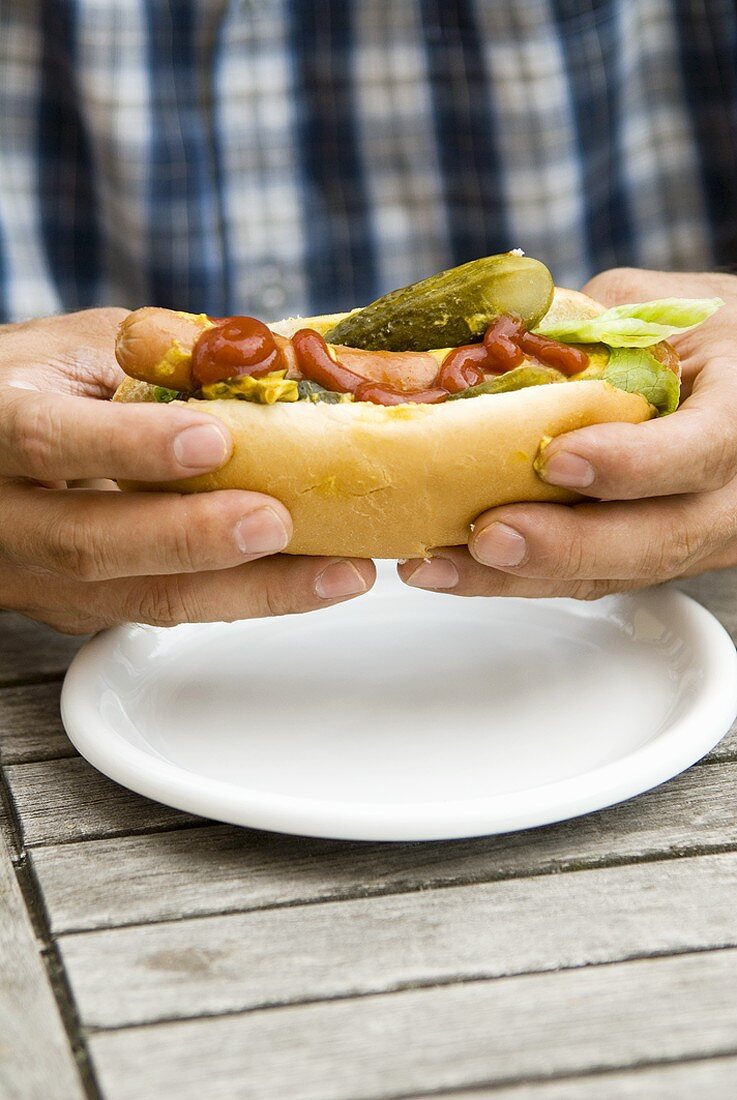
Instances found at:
x=145 y=953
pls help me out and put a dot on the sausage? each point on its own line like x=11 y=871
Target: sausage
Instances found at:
x=402 y=370
x=155 y=345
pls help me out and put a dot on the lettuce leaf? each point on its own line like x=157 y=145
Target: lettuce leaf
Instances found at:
x=637 y=371
x=634 y=326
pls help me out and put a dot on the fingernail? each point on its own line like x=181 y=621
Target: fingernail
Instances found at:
x=435 y=573
x=203 y=447
x=340 y=578
x=499 y=545
x=261 y=532
x=566 y=469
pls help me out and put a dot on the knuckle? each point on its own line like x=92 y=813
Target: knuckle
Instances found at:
x=616 y=281
x=566 y=557
x=186 y=538
x=590 y=590
x=491 y=583
x=74 y=551
x=574 y=557
x=620 y=461
x=202 y=531
x=34 y=435
x=718 y=465
x=162 y=602
x=669 y=556
x=268 y=591
x=113 y=315
x=274 y=601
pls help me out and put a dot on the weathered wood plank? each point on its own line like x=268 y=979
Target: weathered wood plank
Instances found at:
x=30 y=724
x=60 y=800
x=717 y=591
x=232 y=963
x=487 y=1032
x=30 y=651
x=713 y=1079
x=726 y=749
x=216 y=869
x=36 y=1062
x=7 y=831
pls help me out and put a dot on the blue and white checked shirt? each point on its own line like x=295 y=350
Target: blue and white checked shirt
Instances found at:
x=284 y=156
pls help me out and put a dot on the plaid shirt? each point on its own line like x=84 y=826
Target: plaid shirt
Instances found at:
x=282 y=156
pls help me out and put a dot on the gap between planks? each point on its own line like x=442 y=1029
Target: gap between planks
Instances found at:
x=198 y=871
x=680 y=1080
x=31 y=729
x=90 y=1030
x=30 y=1006
x=244 y=962
x=369 y=893
x=48 y=952
x=484 y=1033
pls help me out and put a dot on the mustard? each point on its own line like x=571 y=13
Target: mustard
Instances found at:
x=268 y=390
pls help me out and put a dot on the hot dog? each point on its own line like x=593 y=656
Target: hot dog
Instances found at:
x=158 y=346
x=387 y=430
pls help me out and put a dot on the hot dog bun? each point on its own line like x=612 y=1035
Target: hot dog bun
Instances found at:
x=365 y=480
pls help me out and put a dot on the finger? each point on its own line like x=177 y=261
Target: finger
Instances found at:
x=94 y=535
x=642 y=540
x=622 y=285
x=692 y=450
x=50 y=437
x=280 y=585
x=723 y=558
x=69 y=353
x=452 y=570
x=709 y=340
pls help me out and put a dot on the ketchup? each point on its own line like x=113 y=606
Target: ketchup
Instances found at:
x=235 y=346
x=501 y=340
x=463 y=367
x=243 y=345
x=316 y=363
x=566 y=359
x=505 y=345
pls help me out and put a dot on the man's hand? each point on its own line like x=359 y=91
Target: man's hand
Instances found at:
x=666 y=490
x=85 y=558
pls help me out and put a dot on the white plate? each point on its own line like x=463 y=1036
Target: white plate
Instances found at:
x=407 y=715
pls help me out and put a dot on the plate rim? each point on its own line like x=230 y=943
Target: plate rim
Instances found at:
x=708 y=719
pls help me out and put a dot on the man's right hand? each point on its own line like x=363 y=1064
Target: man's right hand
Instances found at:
x=84 y=558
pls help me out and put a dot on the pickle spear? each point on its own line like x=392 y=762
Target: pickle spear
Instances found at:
x=517 y=379
x=451 y=308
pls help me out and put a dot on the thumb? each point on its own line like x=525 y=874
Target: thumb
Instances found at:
x=692 y=450
x=621 y=285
